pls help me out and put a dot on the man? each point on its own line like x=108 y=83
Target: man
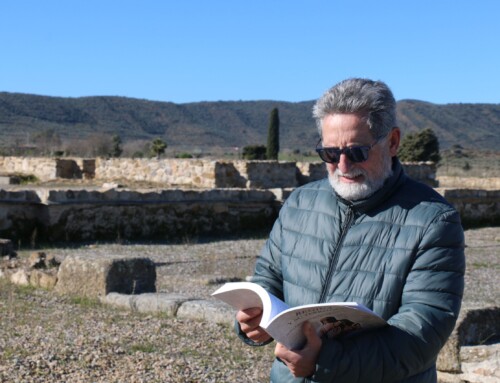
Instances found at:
x=367 y=234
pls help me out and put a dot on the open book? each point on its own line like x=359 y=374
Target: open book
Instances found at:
x=284 y=324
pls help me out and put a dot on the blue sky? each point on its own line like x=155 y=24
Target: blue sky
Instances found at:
x=441 y=51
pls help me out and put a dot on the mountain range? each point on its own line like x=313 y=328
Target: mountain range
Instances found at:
x=225 y=123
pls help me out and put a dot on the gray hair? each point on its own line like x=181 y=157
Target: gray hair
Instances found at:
x=370 y=99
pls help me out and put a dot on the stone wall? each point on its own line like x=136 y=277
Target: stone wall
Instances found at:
x=21 y=215
x=217 y=197
x=43 y=168
x=199 y=173
x=476 y=207
x=188 y=173
x=423 y=171
x=172 y=214
x=172 y=172
x=268 y=174
x=492 y=183
x=310 y=171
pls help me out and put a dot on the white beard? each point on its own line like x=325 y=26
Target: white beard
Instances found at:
x=357 y=191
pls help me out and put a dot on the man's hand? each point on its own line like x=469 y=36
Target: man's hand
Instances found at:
x=301 y=363
x=249 y=321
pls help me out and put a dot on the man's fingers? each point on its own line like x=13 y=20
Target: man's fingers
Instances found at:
x=249 y=320
x=249 y=314
x=313 y=339
x=258 y=335
x=301 y=362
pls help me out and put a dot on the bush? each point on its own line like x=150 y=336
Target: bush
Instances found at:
x=183 y=155
x=157 y=147
x=421 y=146
x=254 y=152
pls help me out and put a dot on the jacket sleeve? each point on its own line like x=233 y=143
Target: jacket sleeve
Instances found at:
x=429 y=308
x=268 y=266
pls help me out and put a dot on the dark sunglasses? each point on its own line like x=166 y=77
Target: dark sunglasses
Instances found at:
x=353 y=153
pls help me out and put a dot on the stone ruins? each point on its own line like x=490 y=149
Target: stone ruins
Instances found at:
x=189 y=197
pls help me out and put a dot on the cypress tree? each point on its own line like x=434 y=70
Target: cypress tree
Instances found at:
x=273 y=135
x=116 y=150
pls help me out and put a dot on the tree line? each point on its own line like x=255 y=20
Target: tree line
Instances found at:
x=419 y=146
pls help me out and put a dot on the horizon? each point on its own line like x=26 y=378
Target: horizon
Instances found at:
x=195 y=51
x=229 y=101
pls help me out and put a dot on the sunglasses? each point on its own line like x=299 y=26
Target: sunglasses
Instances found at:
x=357 y=153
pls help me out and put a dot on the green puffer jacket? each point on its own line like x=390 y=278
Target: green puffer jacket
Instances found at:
x=400 y=253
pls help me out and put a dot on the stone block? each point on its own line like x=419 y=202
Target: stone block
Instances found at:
x=473 y=327
x=124 y=301
x=37 y=260
x=45 y=279
x=167 y=303
x=212 y=311
x=159 y=302
x=95 y=276
x=20 y=277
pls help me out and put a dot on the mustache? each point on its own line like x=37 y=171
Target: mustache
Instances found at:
x=351 y=174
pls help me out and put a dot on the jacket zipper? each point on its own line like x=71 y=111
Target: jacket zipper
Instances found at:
x=333 y=263
x=335 y=258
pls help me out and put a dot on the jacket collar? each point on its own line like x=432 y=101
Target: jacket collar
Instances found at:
x=390 y=185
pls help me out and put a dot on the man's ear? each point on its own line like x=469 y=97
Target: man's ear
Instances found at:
x=394 y=139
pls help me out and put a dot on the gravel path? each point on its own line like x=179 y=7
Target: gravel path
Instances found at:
x=49 y=338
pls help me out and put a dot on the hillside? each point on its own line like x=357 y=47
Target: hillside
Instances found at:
x=223 y=124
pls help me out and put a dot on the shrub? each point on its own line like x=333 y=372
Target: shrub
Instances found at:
x=158 y=147
x=183 y=155
x=254 y=152
x=421 y=146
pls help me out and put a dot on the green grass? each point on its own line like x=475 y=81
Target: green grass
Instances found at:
x=484 y=265
x=85 y=301
x=143 y=347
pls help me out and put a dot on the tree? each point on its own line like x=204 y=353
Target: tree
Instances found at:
x=273 y=135
x=158 y=147
x=420 y=146
x=116 y=149
x=254 y=152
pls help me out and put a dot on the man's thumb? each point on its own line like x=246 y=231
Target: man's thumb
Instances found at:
x=310 y=333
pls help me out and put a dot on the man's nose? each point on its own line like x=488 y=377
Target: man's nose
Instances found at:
x=344 y=163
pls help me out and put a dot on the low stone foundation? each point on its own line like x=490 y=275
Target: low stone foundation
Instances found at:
x=475 y=326
x=114 y=215
x=476 y=207
x=172 y=215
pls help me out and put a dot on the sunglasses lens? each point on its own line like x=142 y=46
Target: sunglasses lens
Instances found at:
x=354 y=153
x=357 y=153
x=329 y=155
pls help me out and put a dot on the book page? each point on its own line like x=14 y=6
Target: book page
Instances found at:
x=245 y=295
x=329 y=319
x=242 y=295
x=276 y=307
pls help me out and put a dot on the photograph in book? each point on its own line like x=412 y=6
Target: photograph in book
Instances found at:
x=284 y=323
